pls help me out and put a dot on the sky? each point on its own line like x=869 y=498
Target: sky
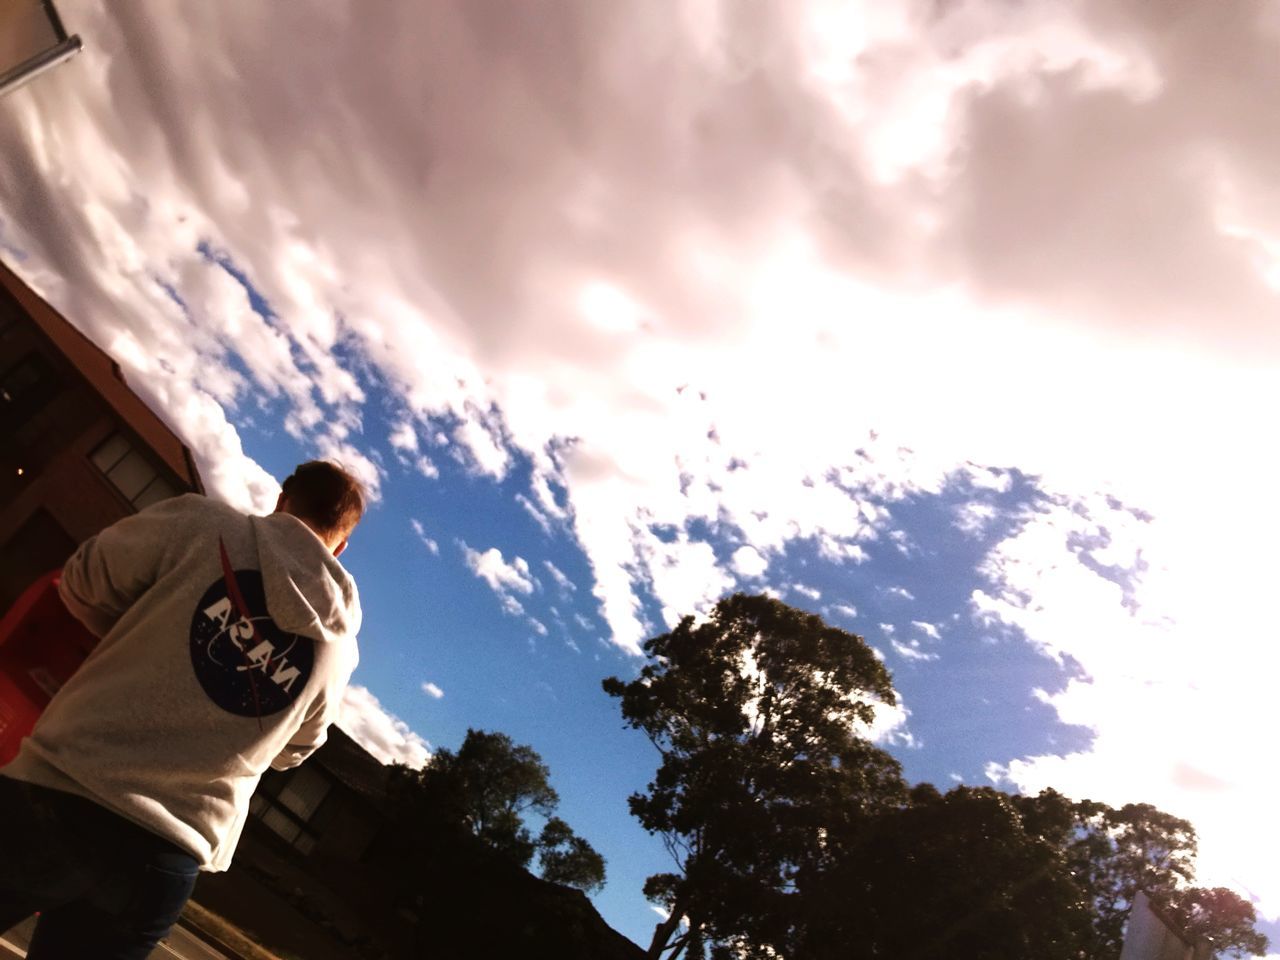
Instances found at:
x=954 y=322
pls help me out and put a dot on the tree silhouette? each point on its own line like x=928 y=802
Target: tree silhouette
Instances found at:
x=567 y=859
x=937 y=878
x=1115 y=852
x=488 y=787
x=793 y=836
x=756 y=713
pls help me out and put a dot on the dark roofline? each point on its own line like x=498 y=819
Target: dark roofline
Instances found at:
x=350 y=763
x=103 y=375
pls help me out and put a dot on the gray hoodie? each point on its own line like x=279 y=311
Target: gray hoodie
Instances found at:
x=208 y=671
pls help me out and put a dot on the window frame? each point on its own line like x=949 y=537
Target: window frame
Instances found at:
x=159 y=475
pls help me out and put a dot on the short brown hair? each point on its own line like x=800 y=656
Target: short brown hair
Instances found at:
x=326 y=496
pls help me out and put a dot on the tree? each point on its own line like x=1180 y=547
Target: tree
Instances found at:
x=489 y=786
x=567 y=859
x=941 y=877
x=1218 y=915
x=792 y=835
x=1115 y=852
x=758 y=714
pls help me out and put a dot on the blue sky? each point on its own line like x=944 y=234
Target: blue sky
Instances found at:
x=953 y=323
x=430 y=619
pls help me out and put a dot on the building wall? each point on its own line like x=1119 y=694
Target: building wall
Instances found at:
x=310 y=811
x=52 y=419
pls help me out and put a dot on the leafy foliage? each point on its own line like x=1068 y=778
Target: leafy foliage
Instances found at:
x=489 y=784
x=567 y=859
x=756 y=713
x=794 y=836
x=1221 y=916
x=1113 y=853
x=488 y=787
x=941 y=877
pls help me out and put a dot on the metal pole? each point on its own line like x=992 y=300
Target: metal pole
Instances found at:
x=11 y=80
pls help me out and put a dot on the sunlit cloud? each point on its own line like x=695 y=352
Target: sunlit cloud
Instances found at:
x=383 y=734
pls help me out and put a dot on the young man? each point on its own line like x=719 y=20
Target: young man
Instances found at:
x=227 y=642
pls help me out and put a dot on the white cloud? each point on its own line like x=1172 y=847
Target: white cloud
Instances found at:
x=383 y=734
x=889 y=728
x=685 y=576
x=987 y=478
x=902 y=542
x=748 y=562
x=431 y=690
x=559 y=576
x=810 y=593
x=426 y=467
x=496 y=572
x=974 y=517
x=1135 y=617
x=928 y=629
x=902 y=592
x=845 y=610
x=530 y=508
x=911 y=651
x=428 y=542
x=480 y=439
x=403 y=437
x=505 y=579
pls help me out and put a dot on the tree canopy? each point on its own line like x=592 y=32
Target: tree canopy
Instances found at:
x=1112 y=853
x=792 y=835
x=489 y=786
x=940 y=877
x=757 y=713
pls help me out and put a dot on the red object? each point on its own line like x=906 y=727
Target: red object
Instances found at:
x=41 y=646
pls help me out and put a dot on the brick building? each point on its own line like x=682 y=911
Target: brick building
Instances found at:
x=78 y=448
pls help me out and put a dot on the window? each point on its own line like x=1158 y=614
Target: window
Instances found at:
x=304 y=792
x=288 y=812
x=25 y=387
x=24 y=377
x=130 y=472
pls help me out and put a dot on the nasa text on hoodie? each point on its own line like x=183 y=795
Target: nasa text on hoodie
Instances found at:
x=207 y=671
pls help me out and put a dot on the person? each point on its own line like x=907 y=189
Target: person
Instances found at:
x=226 y=644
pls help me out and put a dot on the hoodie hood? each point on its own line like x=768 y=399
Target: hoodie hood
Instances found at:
x=308 y=591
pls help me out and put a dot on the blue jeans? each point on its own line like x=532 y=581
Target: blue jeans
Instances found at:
x=104 y=887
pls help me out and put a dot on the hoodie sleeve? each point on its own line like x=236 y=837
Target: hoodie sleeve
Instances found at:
x=314 y=730
x=110 y=571
x=308 y=739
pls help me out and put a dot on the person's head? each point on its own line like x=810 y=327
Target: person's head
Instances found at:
x=326 y=498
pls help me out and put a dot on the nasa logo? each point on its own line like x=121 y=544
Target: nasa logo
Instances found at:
x=249 y=667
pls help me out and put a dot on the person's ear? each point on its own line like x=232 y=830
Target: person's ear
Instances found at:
x=337 y=551
x=280 y=503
